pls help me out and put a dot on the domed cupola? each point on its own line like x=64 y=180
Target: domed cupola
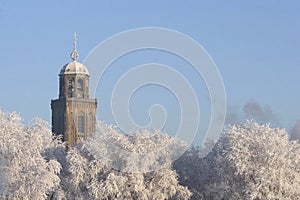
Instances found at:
x=74 y=68
x=74 y=77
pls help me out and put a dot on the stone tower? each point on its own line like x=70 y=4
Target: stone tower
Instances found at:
x=73 y=113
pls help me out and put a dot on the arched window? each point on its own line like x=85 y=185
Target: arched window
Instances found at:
x=81 y=125
x=70 y=88
x=80 y=87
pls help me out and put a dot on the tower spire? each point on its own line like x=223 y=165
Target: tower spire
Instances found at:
x=74 y=54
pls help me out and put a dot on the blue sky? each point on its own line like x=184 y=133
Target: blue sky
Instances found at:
x=254 y=44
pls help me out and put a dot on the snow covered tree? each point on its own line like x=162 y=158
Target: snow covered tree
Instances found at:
x=25 y=171
x=250 y=161
x=110 y=166
x=266 y=159
x=210 y=177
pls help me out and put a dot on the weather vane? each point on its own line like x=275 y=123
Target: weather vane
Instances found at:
x=74 y=54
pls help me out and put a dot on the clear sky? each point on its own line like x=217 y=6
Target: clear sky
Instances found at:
x=255 y=45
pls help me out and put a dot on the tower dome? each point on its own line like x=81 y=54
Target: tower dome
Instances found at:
x=74 y=67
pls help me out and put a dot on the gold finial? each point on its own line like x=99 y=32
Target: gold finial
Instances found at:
x=74 y=54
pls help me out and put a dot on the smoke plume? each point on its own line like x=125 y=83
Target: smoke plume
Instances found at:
x=295 y=131
x=253 y=110
x=232 y=115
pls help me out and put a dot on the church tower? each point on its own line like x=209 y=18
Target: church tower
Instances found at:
x=73 y=113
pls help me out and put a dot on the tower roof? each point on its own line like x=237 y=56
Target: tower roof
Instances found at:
x=74 y=67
